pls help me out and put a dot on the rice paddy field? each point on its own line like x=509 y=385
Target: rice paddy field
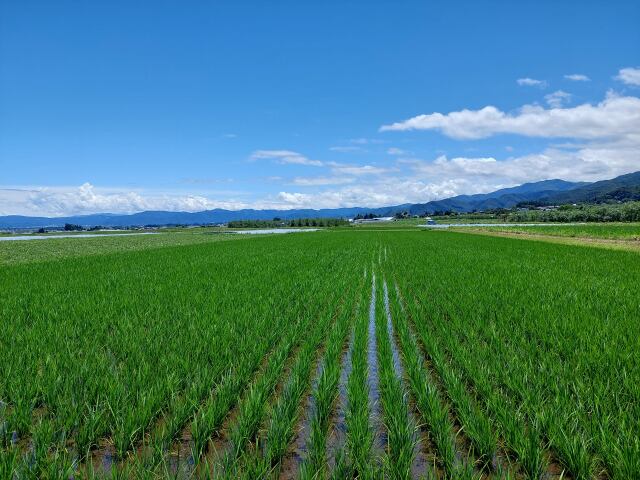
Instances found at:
x=610 y=231
x=332 y=354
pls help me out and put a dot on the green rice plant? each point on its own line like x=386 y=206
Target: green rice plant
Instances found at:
x=131 y=346
x=252 y=409
x=428 y=401
x=401 y=432
x=253 y=405
x=549 y=357
x=9 y=462
x=359 y=440
x=473 y=420
x=272 y=447
x=325 y=395
x=209 y=418
x=523 y=442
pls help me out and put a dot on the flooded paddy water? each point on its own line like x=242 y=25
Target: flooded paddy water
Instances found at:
x=79 y=235
x=380 y=436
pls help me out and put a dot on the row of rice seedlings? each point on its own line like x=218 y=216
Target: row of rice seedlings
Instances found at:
x=273 y=444
x=561 y=432
x=337 y=462
x=564 y=331
x=474 y=421
x=253 y=406
x=399 y=427
x=314 y=465
x=181 y=407
x=379 y=434
x=360 y=436
x=426 y=395
x=522 y=441
x=39 y=457
x=541 y=420
x=525 y=430
x=208 y=418
x=555 y=419
x=144 y=407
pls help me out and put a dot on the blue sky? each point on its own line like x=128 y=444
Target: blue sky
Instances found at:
x=127 y=106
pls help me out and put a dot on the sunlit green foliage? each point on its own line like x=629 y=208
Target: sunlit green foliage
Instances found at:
x=516 y=358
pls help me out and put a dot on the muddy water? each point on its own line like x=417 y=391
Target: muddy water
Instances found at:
x=379 y=432
x=103 y=460
x=180 y=459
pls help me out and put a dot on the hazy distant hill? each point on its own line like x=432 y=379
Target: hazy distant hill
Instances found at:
x=624 y=187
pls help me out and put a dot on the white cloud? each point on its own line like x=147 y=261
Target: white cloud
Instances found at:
x=629 y=76
x=390 y=192
x=358 y=170
x=615 y=116
x=317 y=181
x=347 y=149
x=532 y=82
x=365 y=141
x=285 y=156
x=397 y=151
x=85 y=199
x=557 y=99
x=595 y=161
x=577 y=77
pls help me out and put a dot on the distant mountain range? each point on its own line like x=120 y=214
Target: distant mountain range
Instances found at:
x=546 y=192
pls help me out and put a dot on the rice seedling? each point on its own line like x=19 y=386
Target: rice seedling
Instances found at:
x=325 y=394
x=279 y=432
x=400 y=429
x=359 y=441
x=434 y=412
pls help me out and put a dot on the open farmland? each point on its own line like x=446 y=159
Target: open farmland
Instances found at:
x=334 y=354
x=609 y=231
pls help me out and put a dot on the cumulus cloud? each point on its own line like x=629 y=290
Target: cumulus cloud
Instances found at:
x=629 y=76
x=577 y=77
x=532 y=82
x=391 y=191
x=85 y=199
x=557 y=99
x=615 y=116
x=285 y=156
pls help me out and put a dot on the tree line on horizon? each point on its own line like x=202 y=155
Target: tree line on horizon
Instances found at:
x=296 y=222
